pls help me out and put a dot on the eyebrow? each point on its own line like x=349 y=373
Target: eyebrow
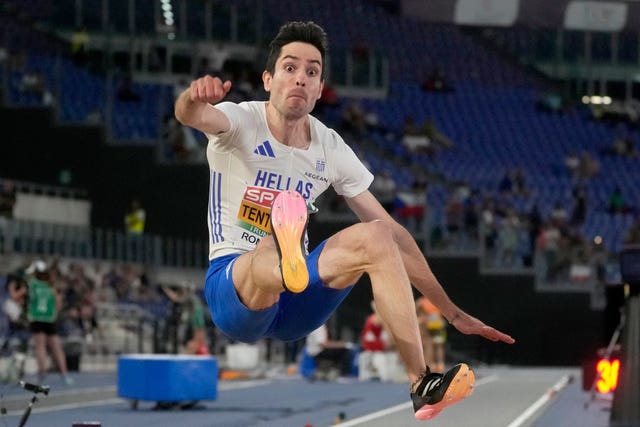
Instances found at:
x=313 y=61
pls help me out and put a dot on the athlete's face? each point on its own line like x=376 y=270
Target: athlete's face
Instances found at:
x=296 y=83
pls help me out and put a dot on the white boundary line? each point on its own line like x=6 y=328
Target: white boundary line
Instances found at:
x=403 y=406
x=115 y=400
x=63 y=407
x=528 y=413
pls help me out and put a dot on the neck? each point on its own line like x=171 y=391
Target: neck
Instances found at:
x=291 y=131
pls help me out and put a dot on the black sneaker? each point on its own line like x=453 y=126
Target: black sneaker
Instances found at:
x=437 y=391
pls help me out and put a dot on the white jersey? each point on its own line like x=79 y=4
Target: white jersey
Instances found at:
x=249 y=167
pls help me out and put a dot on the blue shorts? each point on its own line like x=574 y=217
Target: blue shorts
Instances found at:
x=293 y=317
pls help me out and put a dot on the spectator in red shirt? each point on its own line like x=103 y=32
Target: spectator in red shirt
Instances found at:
x=374 y=336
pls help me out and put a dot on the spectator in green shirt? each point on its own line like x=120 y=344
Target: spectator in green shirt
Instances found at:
x=42 y=313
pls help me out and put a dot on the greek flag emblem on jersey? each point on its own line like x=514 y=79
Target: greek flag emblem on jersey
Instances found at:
x=320 y=165
x=264 y=149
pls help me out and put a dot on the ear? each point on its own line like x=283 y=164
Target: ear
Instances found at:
x=266 y=80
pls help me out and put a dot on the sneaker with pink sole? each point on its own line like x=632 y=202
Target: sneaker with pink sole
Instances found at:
x=437 y=391
x=289 y=220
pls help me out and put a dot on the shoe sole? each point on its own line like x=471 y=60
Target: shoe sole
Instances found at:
x=288 y=222
x=460 y=387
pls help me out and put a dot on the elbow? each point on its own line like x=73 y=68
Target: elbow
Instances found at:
x=180 y=116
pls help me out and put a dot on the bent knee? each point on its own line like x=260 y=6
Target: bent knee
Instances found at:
x=376 y=238
x=379 y=231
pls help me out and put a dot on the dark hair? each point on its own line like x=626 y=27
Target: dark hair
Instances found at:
x=298 y=31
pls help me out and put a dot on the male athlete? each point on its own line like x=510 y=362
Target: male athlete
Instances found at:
x=269 y=161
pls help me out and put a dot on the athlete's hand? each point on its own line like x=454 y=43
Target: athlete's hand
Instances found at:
x=469 y=325
x=209 y=89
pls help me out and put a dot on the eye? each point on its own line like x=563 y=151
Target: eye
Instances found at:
x=289 y=68
x=312 y=72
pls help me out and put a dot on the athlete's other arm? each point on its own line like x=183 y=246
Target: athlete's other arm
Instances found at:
x=195 y=105
x=367 y=208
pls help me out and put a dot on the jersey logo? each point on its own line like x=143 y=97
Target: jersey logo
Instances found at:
x=265 y=149
x=255 y=210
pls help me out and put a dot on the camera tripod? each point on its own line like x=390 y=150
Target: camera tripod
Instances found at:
x=35 y=389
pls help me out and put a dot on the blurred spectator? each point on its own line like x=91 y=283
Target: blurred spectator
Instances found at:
x=333 y=358
x=559 y=215
x=7 y=198
x=13 y=308
x=191 y=317
x=384 y=188
x=508 y=238
x=624 y=144
x=174 y=137
x=378 y=356
x=4 y=56
x=548 y=242
x=488 y=224
x=433 y=333
x=454 y=216
x=436 y=81
x=534 y=224
x=217 y=57
x=374 y=336
x=589 y=166
x=625 y=147
x=7 y=204
x=549 y=102
x=78 y=46
x=440 y=140
x=519 y=183
x=135 y=218
x=513 y=183
x=32 y=81
x=45 y=301
x=94 y=117
x=506 y=184
x=80 y=300
x=360 y=50
x=471 y=215
x=632 y=236
x=414 y=140
x=329 y=99
x=354 y=118
x=579 y=212
x=617 y=202
x=410 y=206
x=242 y=84
x=572 y=162
x=361 y=54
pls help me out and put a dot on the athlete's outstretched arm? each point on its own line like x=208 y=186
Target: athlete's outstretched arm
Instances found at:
x=367 y=208
x=194 y=106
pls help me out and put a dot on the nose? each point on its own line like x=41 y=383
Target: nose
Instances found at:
x=301 y=78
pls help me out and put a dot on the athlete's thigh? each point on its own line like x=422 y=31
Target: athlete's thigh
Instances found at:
x=344 y=257
x=301 y=313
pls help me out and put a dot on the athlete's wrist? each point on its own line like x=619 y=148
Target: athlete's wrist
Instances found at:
x=454 y=317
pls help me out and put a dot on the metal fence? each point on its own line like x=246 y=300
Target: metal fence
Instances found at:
x=69 y=241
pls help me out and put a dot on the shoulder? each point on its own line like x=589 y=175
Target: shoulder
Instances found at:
x=244 y=116
x=246 y=107
x=327 y=136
